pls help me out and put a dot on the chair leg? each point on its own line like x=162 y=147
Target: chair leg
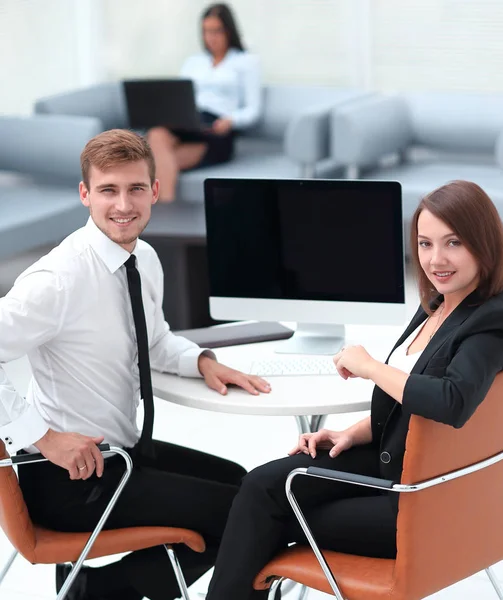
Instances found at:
x=7 y=566
x=303 y=593
x=275 y=589
x=496 y=584
x=178 y=572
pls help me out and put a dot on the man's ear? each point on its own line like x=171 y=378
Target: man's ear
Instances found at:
x=155 y=191
x=84 y=194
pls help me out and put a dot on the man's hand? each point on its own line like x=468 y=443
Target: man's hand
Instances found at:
x=335 y=441
x=217 y=376
x=221 y=126
x=76 y=453
x=354 y=361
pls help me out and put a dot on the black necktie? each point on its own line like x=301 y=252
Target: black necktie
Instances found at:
x=145 y=446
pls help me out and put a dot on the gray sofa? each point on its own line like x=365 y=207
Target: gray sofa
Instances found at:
x=422 y=140
x=292 y=138
x=39 y=175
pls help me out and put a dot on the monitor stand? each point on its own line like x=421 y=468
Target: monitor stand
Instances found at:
x=311 y=338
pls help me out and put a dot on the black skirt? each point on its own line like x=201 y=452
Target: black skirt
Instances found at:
x=220 y=148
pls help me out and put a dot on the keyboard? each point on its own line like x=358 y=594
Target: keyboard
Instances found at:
x=300 y=366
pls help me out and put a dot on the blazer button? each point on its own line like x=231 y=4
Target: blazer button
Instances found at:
x=385 y=457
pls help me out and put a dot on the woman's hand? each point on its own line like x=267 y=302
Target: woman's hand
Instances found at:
x=335 y=441
x=354 y=361
x=221 y=126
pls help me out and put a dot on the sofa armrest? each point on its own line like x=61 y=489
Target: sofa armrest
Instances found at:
x=498 y=150
x=46 y=146
x=306 y=136
x=363 y=132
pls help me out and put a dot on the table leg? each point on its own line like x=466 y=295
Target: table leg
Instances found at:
x=317 y=422
x=311 y=424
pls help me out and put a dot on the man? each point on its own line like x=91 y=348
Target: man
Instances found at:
x=89 y=317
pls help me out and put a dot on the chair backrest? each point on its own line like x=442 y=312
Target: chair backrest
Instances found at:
x=14 y=518
x=450 y=531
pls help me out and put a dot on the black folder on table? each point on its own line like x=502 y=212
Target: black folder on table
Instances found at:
x=234 y=335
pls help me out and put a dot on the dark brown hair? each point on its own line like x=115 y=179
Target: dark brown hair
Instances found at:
x=115 y=147
x=224 y=13
x=472 y=216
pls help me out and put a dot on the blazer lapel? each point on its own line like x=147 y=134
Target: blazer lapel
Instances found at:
x=417 y=319
x=448 y=327
x=460 y=314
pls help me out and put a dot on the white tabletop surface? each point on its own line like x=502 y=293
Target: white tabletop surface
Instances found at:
x=292 y=395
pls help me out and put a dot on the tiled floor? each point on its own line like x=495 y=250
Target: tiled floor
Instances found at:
x=249 y=440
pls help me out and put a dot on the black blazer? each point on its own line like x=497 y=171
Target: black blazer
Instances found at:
x=450 y=379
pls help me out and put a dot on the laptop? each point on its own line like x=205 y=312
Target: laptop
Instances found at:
x=169 y=102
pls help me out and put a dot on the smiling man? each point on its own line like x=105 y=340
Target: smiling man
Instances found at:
x=89 y=317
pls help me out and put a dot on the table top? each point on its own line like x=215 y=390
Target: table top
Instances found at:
x=292 y=395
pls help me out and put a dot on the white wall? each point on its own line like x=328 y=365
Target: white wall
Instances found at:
x=437 y=45
x=297 y=40
x=47 y=46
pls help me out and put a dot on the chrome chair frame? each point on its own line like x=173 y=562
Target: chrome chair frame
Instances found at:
x=379 y=484
x=76 y=566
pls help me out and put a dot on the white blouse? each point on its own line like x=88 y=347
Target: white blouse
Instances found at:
x=230 y=89
x=400 y=359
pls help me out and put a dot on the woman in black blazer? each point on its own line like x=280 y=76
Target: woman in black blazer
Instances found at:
x=441 y=368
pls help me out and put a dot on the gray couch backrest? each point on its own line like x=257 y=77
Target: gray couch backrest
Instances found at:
x=283 y=102
x=457 y=121
x=105 y=101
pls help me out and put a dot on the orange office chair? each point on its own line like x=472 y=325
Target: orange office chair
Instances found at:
x=449 y=518
x=42 y=546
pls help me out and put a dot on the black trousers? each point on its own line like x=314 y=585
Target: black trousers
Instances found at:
x=181 y=488
x=343 y=517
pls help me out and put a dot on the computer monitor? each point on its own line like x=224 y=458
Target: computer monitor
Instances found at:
x=323 y=253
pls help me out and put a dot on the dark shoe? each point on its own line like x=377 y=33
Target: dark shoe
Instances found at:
x=78 y=591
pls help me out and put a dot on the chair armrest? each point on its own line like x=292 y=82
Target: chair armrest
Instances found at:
x=351 y=478
x=39 y=457
x=363 y=132
x=386 y=484
x=46 y=145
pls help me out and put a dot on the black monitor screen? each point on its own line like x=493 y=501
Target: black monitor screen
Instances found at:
x=329 y=240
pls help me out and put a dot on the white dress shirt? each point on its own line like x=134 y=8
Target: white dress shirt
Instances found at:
x=230 y=89
x=71 y=314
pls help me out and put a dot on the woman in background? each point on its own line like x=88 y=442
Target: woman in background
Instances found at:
x=228 y=95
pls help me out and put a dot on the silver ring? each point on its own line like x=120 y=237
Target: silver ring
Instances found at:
x=82 y=468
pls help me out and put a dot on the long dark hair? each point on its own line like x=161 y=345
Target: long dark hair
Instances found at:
x=224 y=13
x=471 y=214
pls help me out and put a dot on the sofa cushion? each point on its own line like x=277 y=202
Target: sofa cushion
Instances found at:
x=106 y=101
x=460 y=122
x=32 y=215
x=254 y=158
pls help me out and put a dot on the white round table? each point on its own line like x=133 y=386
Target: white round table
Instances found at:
x=308 y=398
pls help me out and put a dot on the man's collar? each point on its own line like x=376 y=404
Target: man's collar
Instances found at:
x=113 y=255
